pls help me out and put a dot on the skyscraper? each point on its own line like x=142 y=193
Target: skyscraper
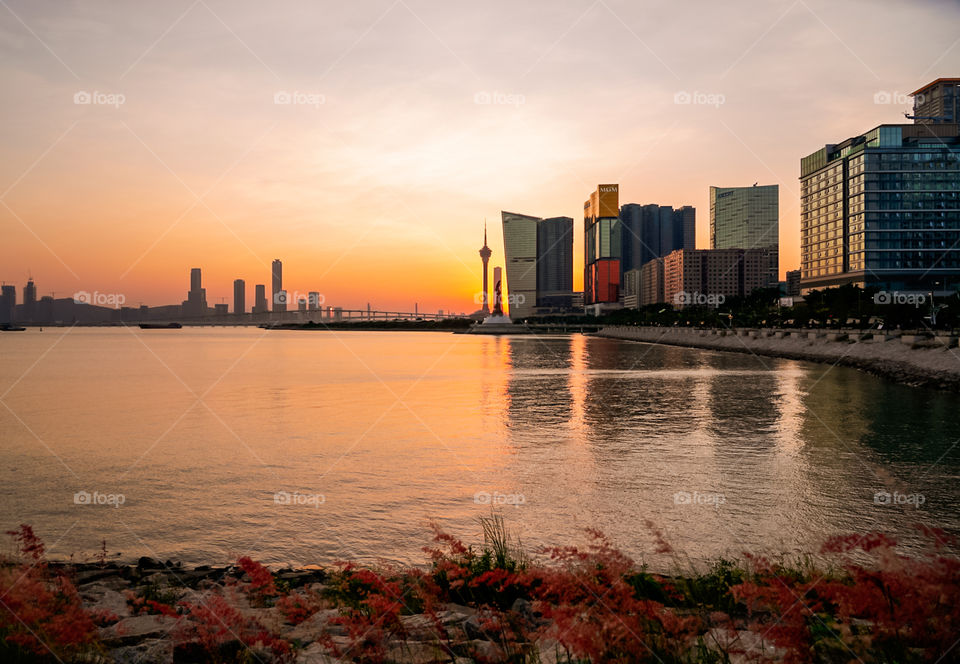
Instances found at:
x=881 y=209
x=555 y=263
x=196 y=302
x=602 y=237
x=260 y=299
x=520 y=254
x=239 y=296
x=276 y=271
x=485 y=253
x=29 y=300
x=8 y=304
x=937 y=102
x=652 y=231
x=747 y=218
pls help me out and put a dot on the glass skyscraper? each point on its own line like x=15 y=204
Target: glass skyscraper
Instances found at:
x=555 y=263
x=602 y=251
x=747 y=218
x=539 y=262
x=883 y=209
x=652 y=231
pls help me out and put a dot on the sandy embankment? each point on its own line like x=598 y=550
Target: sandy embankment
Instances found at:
x=912 y=358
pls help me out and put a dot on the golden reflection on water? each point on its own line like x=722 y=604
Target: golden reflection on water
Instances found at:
x=199 y=428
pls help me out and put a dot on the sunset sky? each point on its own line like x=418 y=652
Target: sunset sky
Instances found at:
x=372 y=184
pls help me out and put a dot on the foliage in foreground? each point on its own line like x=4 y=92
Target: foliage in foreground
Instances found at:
x=874 y=604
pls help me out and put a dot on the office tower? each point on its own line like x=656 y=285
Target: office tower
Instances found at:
x=937 y=102
x=631 y=289
x=276 y=271
x=485 y=253
x=313 y=301
x=747 y=218
x=554 y=263
x=196 y=302
x=8 y=304
x=239 y=296
x=652 y=231
x=881 y=210
x=601 y=227
x=221 y=309
x=260 y=299
x=520 y=255
x=651 y=282
x=29 y=300
x=302 y=304
x=45 y=309
x=280 y=301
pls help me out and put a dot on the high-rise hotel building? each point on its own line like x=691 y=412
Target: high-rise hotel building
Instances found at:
x=602 y=239
x=747 y=218
x=882 y=209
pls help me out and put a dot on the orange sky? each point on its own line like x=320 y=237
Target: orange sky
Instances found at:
x=373 y=183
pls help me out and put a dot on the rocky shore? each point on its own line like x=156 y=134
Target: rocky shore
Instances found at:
x=917 y=358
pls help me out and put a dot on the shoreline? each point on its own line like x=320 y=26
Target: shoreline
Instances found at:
x=917 y=359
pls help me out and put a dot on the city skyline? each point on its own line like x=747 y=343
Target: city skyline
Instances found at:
x=250 y=156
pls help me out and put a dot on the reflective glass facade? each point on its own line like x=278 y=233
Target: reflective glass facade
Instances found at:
x=602 y=250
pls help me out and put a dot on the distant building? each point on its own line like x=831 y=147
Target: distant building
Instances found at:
x=881 y=209
x=8 y=304
x=260 y=299
x=631 y=289
x=539 y=257
x=707 y=277
x=554 y=264
x=747 y=218
x=196 y=303
x=601 y=226
x=221 y=309
x=239 y=296
x=651 y=282
x=276 y=273
x=302 y=304
x=29 y=300
x=485 y=253
x=313 y=301
x=937 y=102
x=793 y=282
x=652 y=231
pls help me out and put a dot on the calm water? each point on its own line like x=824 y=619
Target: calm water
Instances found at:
x=379 y=433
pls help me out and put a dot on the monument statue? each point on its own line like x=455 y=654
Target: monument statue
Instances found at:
x=497 y=299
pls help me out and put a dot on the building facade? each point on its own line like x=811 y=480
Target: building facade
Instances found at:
x=652 y=231
x=883 y=210
x=554 y=264
x=196 y=303
x=8 y=304
x=651 y=282
x=602 y=252
x=239 y=296
x=520 y=255
x=937 y=102
x=260 y=305
x=704 y=277
x=278 y=302
x=747 y=218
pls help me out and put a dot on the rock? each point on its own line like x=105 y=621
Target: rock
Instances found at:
x=137 y=628
x=152 y=651
x=483 y=650
x=310 y=629
x=101 y=598
x=416 y=652
x=471 y=626
x=316 y=654
x=148 y=563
